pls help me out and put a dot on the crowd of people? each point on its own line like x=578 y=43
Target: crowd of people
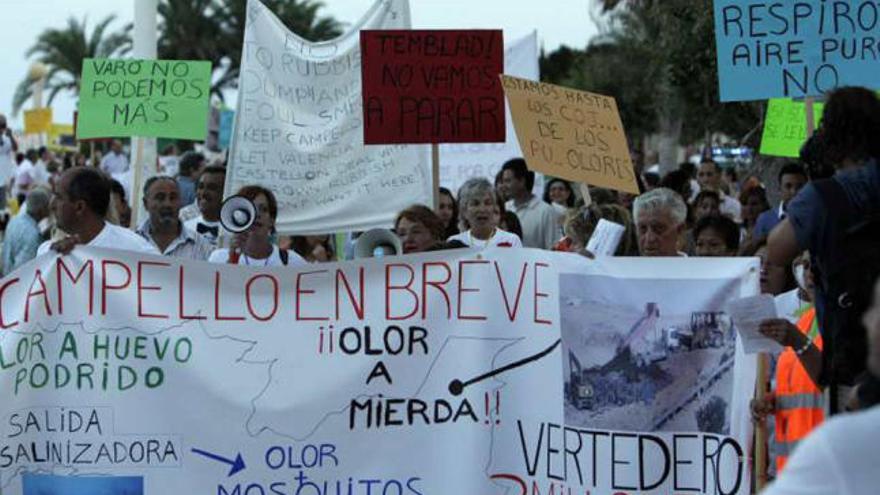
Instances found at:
x=818 y=246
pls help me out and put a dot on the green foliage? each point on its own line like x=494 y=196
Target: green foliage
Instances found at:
x=63 y=50
x=657 y=59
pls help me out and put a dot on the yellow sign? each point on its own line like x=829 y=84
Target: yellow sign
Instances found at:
x=57 y=130
x=37 y=121
x=570 y=134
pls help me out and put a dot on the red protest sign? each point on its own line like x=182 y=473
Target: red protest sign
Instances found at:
x=423 y=86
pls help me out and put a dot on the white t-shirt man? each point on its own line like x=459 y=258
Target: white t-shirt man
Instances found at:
x=539 y=221
x=730 y=207
x=839 y=457
x=114 y=237
x=114 y=163
x=24 y=178
x=222 y=256
x=7 y=164
x=499 y=238
x=40 y=174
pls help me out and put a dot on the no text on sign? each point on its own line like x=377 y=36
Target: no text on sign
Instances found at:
x=570 y=134
x=432 y=86
x=795 y=48
x=151 y=98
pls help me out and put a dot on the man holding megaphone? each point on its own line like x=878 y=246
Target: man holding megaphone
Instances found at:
x=250 y=215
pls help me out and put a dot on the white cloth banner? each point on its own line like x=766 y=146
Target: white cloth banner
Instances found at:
x=299 y=129
x=437 y=374
x=460 y=162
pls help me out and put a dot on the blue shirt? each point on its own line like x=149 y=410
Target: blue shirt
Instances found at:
x=817 y=227
x=768 y=220
x=20 y=242
x=187 y=188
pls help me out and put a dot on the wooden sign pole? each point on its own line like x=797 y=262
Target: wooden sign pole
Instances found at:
x=435 y=174
x=761 y=426
x=811 y=116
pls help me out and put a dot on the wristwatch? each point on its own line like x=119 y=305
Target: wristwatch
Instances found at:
x=801 y=350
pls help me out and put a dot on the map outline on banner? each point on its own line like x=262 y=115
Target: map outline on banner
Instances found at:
x=323 y=176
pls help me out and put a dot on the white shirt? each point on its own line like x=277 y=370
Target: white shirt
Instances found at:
x=499 y=238
x=169 y=165
x=730 y=206
x=23 y=177
x=113 y=163
x=7 y=165
x=40 y=174
x=539 y=222
x=193 y=224
x=114 y=237
x=839 y=458
x=222 y=256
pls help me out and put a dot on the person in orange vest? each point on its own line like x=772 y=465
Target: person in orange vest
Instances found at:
x=797 y=403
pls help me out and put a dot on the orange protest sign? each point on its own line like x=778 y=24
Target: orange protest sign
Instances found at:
x=570 y=134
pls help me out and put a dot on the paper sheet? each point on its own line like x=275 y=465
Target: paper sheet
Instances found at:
x=605 y=238
x=747 y=314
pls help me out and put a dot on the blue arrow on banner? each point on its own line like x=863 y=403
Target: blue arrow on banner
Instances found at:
x=237 y=464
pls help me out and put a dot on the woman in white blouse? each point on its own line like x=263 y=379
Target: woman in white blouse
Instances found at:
x=478 y=205
x=254 y=247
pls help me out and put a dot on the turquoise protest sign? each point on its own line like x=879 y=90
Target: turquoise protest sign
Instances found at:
x=795 y=48
x=225 y=134
x=149 y=98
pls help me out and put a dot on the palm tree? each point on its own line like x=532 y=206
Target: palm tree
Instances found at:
x=63 y=51
x=190 y=30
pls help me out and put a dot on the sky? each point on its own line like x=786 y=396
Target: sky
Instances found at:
x=558 y=22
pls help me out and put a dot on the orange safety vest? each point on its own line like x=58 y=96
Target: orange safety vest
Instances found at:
x=799 y=402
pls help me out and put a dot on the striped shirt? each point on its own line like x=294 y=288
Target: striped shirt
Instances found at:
x=188 y=244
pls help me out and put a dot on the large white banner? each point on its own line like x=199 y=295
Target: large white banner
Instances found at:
x=444 y=373
x=299 y=129
x=460 y=162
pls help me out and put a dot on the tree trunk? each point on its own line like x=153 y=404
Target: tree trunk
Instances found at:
x=668 y=142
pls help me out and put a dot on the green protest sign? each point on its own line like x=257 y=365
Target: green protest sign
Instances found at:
x=785 y=126
x=150 y=98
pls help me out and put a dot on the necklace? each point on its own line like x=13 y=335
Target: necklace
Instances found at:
x=472 y=240
x=247 y=259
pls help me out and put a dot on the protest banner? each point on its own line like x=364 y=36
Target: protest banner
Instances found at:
x=38 y=120
x=461 y=161
x=298 y=130
x=785 y=126
x=432 y=86
x=794 y=48
x=570 y=134
x=147 y=98
x=448 y=372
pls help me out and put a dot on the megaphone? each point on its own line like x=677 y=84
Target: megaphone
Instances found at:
x=237 y=214
x=376 y=243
